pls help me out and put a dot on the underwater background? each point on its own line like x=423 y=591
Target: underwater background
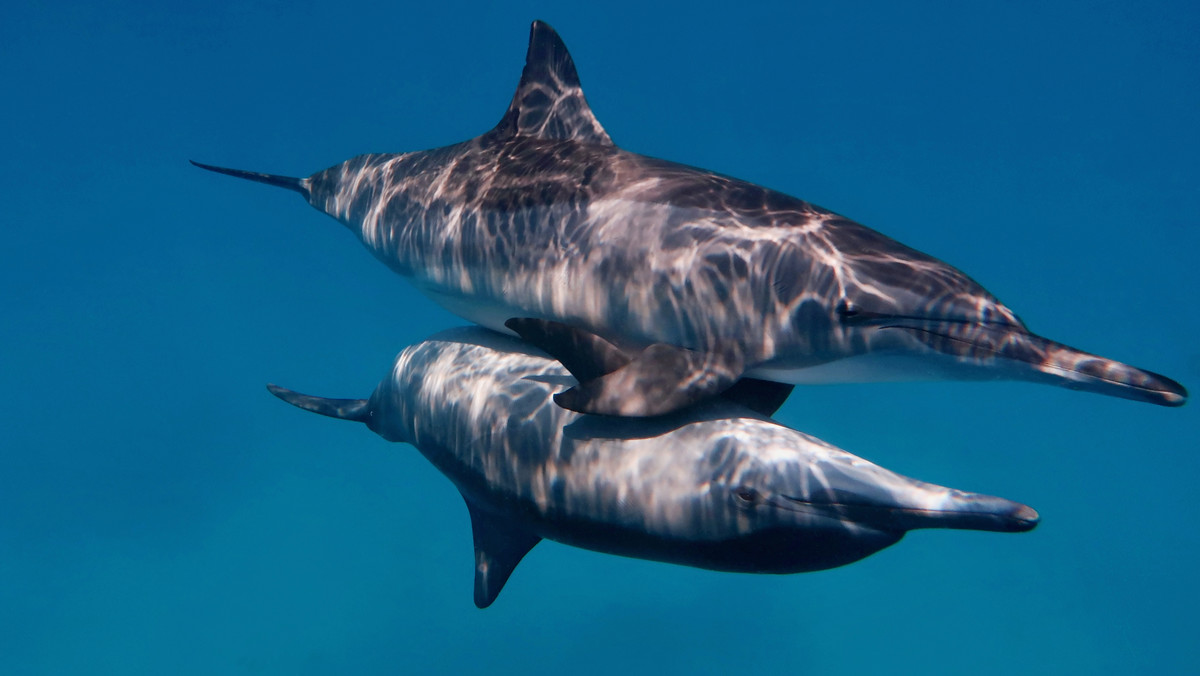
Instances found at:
x=160 y=512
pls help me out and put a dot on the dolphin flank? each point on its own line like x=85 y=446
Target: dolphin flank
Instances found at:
x=715 y=486
x=704 y=278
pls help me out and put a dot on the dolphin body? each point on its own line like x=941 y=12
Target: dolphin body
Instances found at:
x=715 y=486
x=715 y=278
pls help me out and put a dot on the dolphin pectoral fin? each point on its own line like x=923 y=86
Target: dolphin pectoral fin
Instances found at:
x=343 y=409
x=588 y=356
x=760 y=396
x=661 y=379
x=499 y=547
x=585 y=355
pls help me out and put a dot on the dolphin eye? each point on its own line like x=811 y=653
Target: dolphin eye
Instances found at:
x=746 y=496
x=853 y=315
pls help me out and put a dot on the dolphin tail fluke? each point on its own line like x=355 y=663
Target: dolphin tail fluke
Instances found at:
x=344 y=409
x=299 y=185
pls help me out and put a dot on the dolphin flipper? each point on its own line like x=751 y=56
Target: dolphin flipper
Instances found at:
x=589 y=357
x=661 y=378
x=499 y=547
x=586 y=355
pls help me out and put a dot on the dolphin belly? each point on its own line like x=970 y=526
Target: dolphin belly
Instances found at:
x=483 y=311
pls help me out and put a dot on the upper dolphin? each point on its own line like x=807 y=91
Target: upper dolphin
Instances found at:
x=717 y=486
x=717 y=278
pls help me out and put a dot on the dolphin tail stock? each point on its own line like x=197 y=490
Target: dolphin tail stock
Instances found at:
x=299 y=185
x=658 y=380
x=357 y=410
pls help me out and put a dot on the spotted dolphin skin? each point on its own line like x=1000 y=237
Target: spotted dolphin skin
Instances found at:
x=713 y=277
x=716 y=486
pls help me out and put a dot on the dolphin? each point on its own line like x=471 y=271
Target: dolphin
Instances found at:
x=717 y=485
x=707 y=278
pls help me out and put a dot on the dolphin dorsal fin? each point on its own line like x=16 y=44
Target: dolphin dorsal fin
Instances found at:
x=499 y=547
x=549 y=102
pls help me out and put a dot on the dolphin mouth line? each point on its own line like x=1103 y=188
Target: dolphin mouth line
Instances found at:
x=872 y=508
x=863 y=318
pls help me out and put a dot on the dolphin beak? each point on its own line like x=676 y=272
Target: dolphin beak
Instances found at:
x=292 y=183
x=928 y=506
x=971 y=511
x=1038 y=359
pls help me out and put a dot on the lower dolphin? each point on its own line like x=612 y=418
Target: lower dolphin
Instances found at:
x=715 y=486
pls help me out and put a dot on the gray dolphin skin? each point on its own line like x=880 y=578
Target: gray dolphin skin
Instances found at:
x=712 y=278
x=716 y=486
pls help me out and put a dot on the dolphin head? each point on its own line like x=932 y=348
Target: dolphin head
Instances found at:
x=370 y=194
x=769 y=499
x=345 y=191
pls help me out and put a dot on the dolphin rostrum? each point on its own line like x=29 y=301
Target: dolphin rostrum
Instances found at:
x=713 y=277
x=716 y=486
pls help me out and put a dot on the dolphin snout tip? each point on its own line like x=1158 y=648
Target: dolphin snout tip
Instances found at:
x=1174 y=397
x=1159 y=390
x=1025 y=519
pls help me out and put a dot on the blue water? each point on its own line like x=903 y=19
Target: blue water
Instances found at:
x=160 y=512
